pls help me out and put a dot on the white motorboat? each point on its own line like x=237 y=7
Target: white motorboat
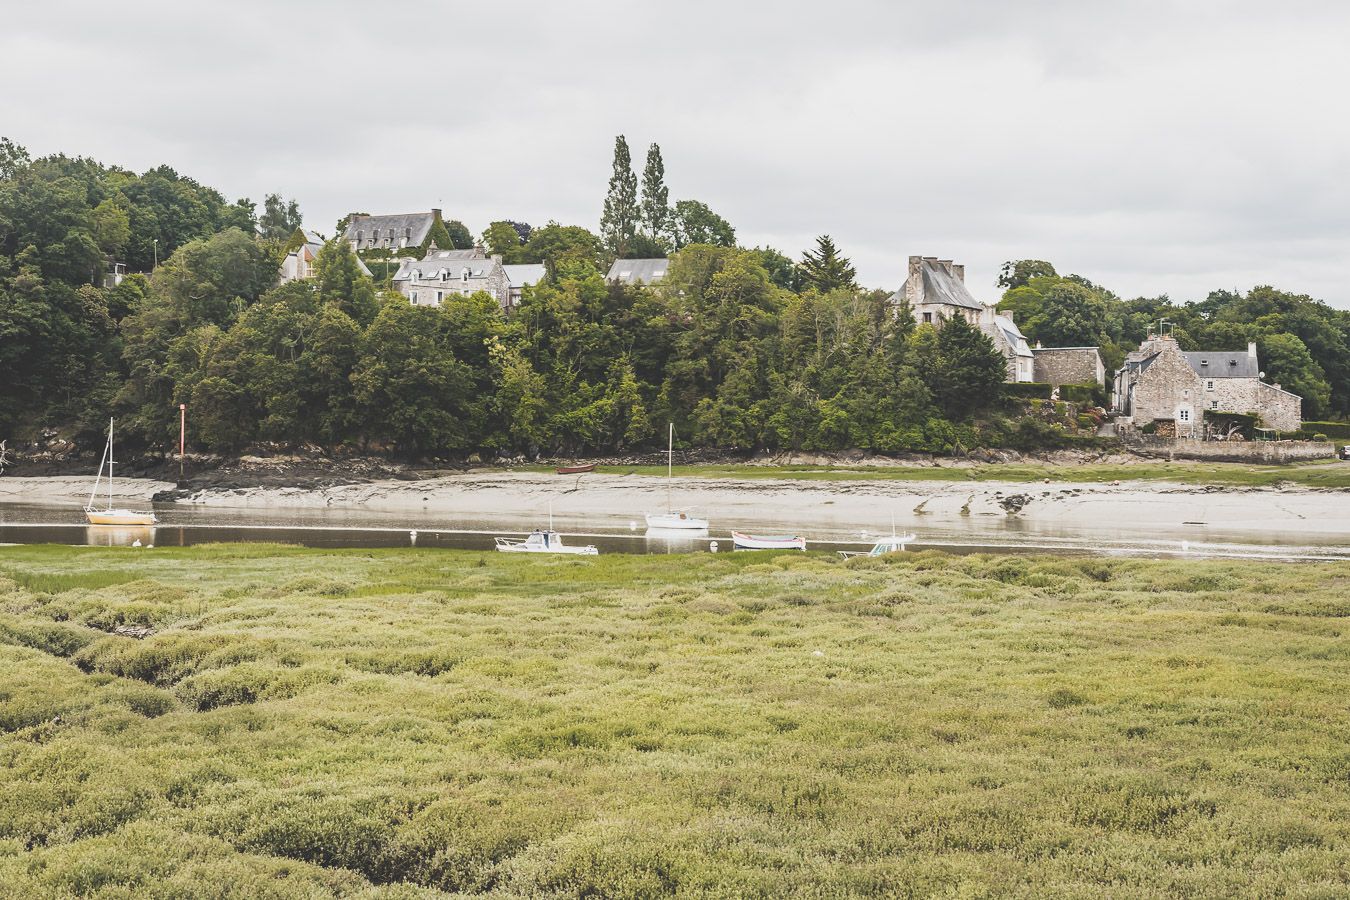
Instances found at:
x=674 y=519
x=744 y=541
x=677 y=521
x=891 y=544
x=543 y=542
x=110 y=515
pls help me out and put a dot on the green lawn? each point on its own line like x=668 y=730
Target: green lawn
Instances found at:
x=309 y=723
x=1321 y=473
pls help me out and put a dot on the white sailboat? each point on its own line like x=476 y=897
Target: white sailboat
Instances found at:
x=676 y=519
x=109 y=515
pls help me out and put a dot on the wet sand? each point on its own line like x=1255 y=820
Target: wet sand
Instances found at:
x=1137 y=507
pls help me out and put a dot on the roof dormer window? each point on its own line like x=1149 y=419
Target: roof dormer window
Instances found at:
x=464 y=275
x=1204 y=362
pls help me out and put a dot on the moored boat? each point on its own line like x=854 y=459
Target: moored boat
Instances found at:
x=543 y=542
x=109 y=515
x=575 y=470
x=673 y=519
x=889 y=544
x=676 y=520
x=744 y=541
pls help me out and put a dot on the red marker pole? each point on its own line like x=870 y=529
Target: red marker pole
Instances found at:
x=182 y=436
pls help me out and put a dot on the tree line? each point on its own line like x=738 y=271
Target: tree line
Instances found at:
x=740 y=347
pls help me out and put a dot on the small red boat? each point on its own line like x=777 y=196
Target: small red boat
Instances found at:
x=576 y=470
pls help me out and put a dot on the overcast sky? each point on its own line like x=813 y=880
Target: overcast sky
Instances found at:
x=1154 y=147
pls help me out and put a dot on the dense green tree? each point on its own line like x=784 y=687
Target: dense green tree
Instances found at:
x=782 y=270
x=1019 y=272
x=619 y=221
x=415 y=396
x=825 y=268
x=280 y=218
x=968 y=370
x=1070 y=315
x=1286 y=361
x=340 y=282
x=461 y=238
x=655 y=207
x=503 y=239
x=692 y=222
x=564 y=247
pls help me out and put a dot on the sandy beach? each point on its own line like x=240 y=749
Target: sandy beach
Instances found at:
x=1133 y=506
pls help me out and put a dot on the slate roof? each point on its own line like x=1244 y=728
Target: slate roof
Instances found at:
x=637 y=271
x=311 y=237
x=374 y=231
x=1225 y=364
x=941 y=286
x=442 y=265
x=1013 y=335
x=525 y=275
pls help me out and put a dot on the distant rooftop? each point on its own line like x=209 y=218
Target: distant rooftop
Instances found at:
x=637 y=271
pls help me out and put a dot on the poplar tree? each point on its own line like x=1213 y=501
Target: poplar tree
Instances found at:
x=618 y=224
x=655 y=194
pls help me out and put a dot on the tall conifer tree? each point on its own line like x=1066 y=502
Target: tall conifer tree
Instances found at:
x=618 y=224
x=655 y=195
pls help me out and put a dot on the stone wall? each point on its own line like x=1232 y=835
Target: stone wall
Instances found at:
x=1277 y=408
x=1233 y=451
x=1068 y=365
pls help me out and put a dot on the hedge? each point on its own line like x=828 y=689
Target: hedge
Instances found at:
x=1033 y=390
x=1078 y=393
x=1335 y=430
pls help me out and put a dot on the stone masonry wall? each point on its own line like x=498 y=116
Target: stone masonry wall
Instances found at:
x=1169 y=381
x=1068 y=366
x=1237 y=451
x=1277 y=408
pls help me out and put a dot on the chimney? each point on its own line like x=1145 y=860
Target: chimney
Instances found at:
x=946 y=264
x=959 y=270
x=435 y=213
x=1251 y=351
x=497 y=258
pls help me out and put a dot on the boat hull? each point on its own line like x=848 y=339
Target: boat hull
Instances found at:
x=119 y=517
x=575 y=470
x=754 y=542
x=539 y=543
x=676 y=522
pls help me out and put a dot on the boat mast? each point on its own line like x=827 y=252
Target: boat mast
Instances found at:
x=670 y=465
x=99 y=477
x=110 y=461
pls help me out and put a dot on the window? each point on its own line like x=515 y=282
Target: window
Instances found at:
x=1209 y=385
x=1214 y=404
x=1204 y=362
x=928 y=318
x=1232 y=363
x=464 y=276
x=439 y=296
x=1184 y=414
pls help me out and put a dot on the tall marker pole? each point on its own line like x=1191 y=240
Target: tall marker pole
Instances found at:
x=182 y=436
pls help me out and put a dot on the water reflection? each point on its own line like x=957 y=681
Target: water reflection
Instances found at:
x=119 y=535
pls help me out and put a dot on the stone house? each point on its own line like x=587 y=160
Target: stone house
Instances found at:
x=1009 y=341
x=520 y=277
x=637 y=271
x=415 y=232
x=1161 y=383
x=1068 y=365
x=935 y=290
x=428 y=281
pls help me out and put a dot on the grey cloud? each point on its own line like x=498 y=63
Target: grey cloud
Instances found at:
x=1154 y=147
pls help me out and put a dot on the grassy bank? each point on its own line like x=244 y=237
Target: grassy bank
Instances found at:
x=402 y=723
x=1322 y=473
